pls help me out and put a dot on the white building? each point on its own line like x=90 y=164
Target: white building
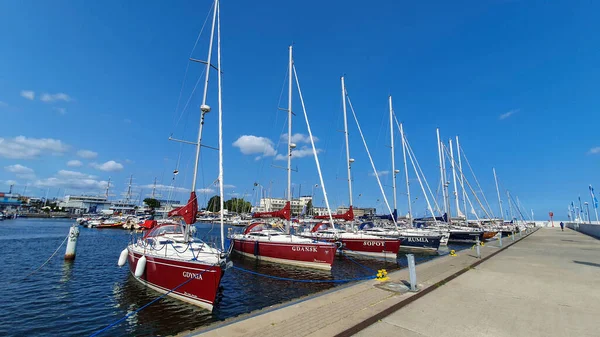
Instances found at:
x=275 y=204
x=79 y=204
x=358 y=212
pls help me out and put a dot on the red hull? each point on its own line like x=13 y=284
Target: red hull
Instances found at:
x=374 y=247
x=165 y=274
x=300 y=254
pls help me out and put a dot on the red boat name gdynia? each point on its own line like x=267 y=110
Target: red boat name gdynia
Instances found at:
x=187 y=274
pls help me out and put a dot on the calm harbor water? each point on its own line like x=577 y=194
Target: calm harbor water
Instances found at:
x=79 y=298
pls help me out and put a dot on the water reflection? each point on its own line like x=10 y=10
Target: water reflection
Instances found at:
x=67 y=271
x=77 y=299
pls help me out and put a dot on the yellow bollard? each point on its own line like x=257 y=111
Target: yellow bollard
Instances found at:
x=382 y=275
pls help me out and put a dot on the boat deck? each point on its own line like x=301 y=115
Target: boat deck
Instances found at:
x=469 y=296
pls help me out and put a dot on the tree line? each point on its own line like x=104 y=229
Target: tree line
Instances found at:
x=214 y=204
x=233 y=205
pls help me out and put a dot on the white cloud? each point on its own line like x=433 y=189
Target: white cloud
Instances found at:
x=74 y=175
x=61 y=111
x=25 y=148
x=71 y=183
x=11 y=182
x=298 y=138
x=249 y=144
x=28 y=94
x=299 y=153
x=205 y=190
x=74 y=163
x=87 y=154
x=109 y=166
x=508 y=114
x=22 y=147
x=21 y=171
x=380 y=173
x=165 y=188
x=594 y=150
x=49 y=98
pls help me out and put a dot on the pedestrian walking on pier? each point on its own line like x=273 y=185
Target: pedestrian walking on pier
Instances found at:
x=562 y=226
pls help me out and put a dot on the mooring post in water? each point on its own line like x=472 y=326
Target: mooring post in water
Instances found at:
x=412 y=271
x=477 y=244
x=72 y=243
x=500 y=239
x=513 y=235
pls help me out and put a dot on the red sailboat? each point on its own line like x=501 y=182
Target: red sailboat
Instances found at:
x=355 y=242
x=168 y=258
x=263 y=242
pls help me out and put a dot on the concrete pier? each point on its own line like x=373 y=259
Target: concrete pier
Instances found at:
x=548 y=285
x=544 y=284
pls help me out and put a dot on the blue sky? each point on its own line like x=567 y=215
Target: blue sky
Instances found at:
x=90 y=91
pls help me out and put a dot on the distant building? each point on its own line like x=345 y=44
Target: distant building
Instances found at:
x=275 y=204
x=358 y=212
x=319 y=211
x=125 y=207
x=164 y=202
x=10 y=200
x=79 y=204
x=164 y=209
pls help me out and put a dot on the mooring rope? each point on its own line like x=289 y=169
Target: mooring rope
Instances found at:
x=50 y=258
x=149 y=303
x=356 y=262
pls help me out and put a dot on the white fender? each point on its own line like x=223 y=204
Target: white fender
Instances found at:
x=123 y=257
x=141 y=266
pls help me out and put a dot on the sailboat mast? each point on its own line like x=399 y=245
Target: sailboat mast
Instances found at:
x=442 y=177
x=290 y=145
x=410 y=217
x=129 y=189
x=204 y=108
x=219 y=89
x=154 y=188
x=446 y=182
x=454 y=176
x=393 y=156
x=510 y=206
x=498 y=191
x=461 y=177
x=349 y=160
x=107 y=188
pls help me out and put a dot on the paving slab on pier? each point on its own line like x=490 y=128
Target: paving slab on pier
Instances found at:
x=547 y=285
x=339 y=311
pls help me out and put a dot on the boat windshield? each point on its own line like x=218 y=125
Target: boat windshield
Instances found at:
x=166 y=229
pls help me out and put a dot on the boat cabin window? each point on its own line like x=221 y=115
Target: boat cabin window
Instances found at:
x=167 y=229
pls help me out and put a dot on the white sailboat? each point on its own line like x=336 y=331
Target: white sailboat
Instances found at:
x=168 y=258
